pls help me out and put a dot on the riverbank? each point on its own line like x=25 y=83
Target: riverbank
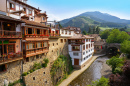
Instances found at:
x=76 y=73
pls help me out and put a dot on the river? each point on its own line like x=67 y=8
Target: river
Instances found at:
x=97 y=69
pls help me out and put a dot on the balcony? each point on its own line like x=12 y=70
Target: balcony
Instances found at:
x=10 y=34
x=35 y=51
x=35 y=36
x=54 y=35
x=6 y=58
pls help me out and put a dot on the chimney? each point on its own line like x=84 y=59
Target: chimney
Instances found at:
x=38 y=8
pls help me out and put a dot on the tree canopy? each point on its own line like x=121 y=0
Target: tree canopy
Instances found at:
x=105 y=34
x=125 y=47
x=117 y=36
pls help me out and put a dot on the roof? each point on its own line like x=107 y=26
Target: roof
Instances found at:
x=72 y=28
x=8 y=18
x=26 y=4
x=34 y=23
x=99 y=43
x=94 y=35
x=80 y=36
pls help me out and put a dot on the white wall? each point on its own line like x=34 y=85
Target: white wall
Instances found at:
x=66 y=35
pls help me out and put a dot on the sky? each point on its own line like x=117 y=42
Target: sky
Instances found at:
x=63 y=9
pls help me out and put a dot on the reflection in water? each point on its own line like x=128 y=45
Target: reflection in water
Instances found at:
x=91 y=74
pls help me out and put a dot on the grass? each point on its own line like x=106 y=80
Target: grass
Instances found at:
x=16 y=82
x=104 y=28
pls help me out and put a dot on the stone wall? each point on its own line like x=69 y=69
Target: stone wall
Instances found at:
x=12 y=74
x=39 y=77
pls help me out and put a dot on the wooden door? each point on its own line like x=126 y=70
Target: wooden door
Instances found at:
x=76 y=61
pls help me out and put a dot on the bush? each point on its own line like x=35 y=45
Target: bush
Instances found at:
x=31 y=71
x=46 y=60
x=24 y=74
x=118 y=70
x=101 y=82
x=44 y=65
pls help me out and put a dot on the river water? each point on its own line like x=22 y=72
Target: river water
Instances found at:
x=97 y=69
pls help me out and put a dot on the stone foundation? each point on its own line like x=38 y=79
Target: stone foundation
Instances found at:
x=12 y=74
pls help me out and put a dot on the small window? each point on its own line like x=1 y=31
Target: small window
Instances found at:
x=64 y=40
x=24 y=9
x=57 y=43
x=76 y=54
x=61 y=40
x=62 y=31
x=27 y=59
x=2 y=68
x=12 y=6
x=44 y=73
x=43 y=18
x=53 y=44
x=30 y=12
x=37 y=56
x=33 y=78
x=83 y=53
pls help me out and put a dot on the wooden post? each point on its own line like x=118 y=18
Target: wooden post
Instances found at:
x=2 y=28
x=2 y=50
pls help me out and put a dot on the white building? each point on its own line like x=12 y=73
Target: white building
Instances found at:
x=69 y=31
x=81 y=49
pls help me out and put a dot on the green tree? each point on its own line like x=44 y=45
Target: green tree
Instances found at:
x=105 y=34
x=84 y=32
x=97 y=30
x=125 y=47
x=101 y=82
x=90 y=30
x=117 y=36
x=115 y=62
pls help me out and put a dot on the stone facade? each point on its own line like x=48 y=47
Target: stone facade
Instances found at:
x=39 y=77
x=13 y=73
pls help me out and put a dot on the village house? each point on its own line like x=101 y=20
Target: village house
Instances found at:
x=81 y=49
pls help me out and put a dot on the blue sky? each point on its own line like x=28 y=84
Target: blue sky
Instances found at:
x=62 y=9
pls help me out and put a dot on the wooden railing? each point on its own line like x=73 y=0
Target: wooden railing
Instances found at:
x=36 y=35
x=36 y=50
x=10 y=34
x=76 y=42
x=9 y=57
x=54 y=35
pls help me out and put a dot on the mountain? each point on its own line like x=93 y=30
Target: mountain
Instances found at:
x=85 y=20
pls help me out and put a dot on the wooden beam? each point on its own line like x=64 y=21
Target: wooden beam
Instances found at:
x=2 y=50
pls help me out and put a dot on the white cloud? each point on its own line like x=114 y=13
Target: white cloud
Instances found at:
x=52 y=17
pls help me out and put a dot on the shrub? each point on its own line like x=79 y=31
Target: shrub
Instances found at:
x=24 y=74
x=44 y=65
x=101 y=82
x=118 y=70
x=46 y=60
x=31 y=71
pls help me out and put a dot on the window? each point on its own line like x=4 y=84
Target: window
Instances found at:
x=62 y=31
x=24 y=9
x=12 y=6
x=45 y=44
x=30 y=12
x=27 y=59
x=39 y=45
x=38 y=31
x=43 y=18
x=75 y=48
x=76 y=54
x=66 y=32
x=29 y=30
x=2 y=68
x=61 y=40
x=53 y=44
x=69 y=32
x=57 y=43
x=33 y=78
x=83 y=53
x=86 y=51
x=11 y=48
x=37 y=56
x=83 y=47
x=64 y=40
x=86 y=46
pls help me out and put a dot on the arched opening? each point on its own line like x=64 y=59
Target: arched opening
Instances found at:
x=112 y=51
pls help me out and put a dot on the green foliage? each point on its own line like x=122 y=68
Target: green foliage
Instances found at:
x=115 y=62
x=101 y=82
x=46 y=60
x=125 y=47
x=118 y=70
x=117 y=36
x=24 y=74
x=44 y=65
x=18 y=81
x=105 y=34
x=62 y=64
x=31 y=71
x=84 y=32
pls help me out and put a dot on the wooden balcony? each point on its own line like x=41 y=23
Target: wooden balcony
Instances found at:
x=36 y=51
x=35 y=36
x=76 y=42
x=7 y=58
x=54 y=35
x=10 y=34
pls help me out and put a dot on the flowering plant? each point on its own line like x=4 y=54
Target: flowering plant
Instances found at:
x=34 y=34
